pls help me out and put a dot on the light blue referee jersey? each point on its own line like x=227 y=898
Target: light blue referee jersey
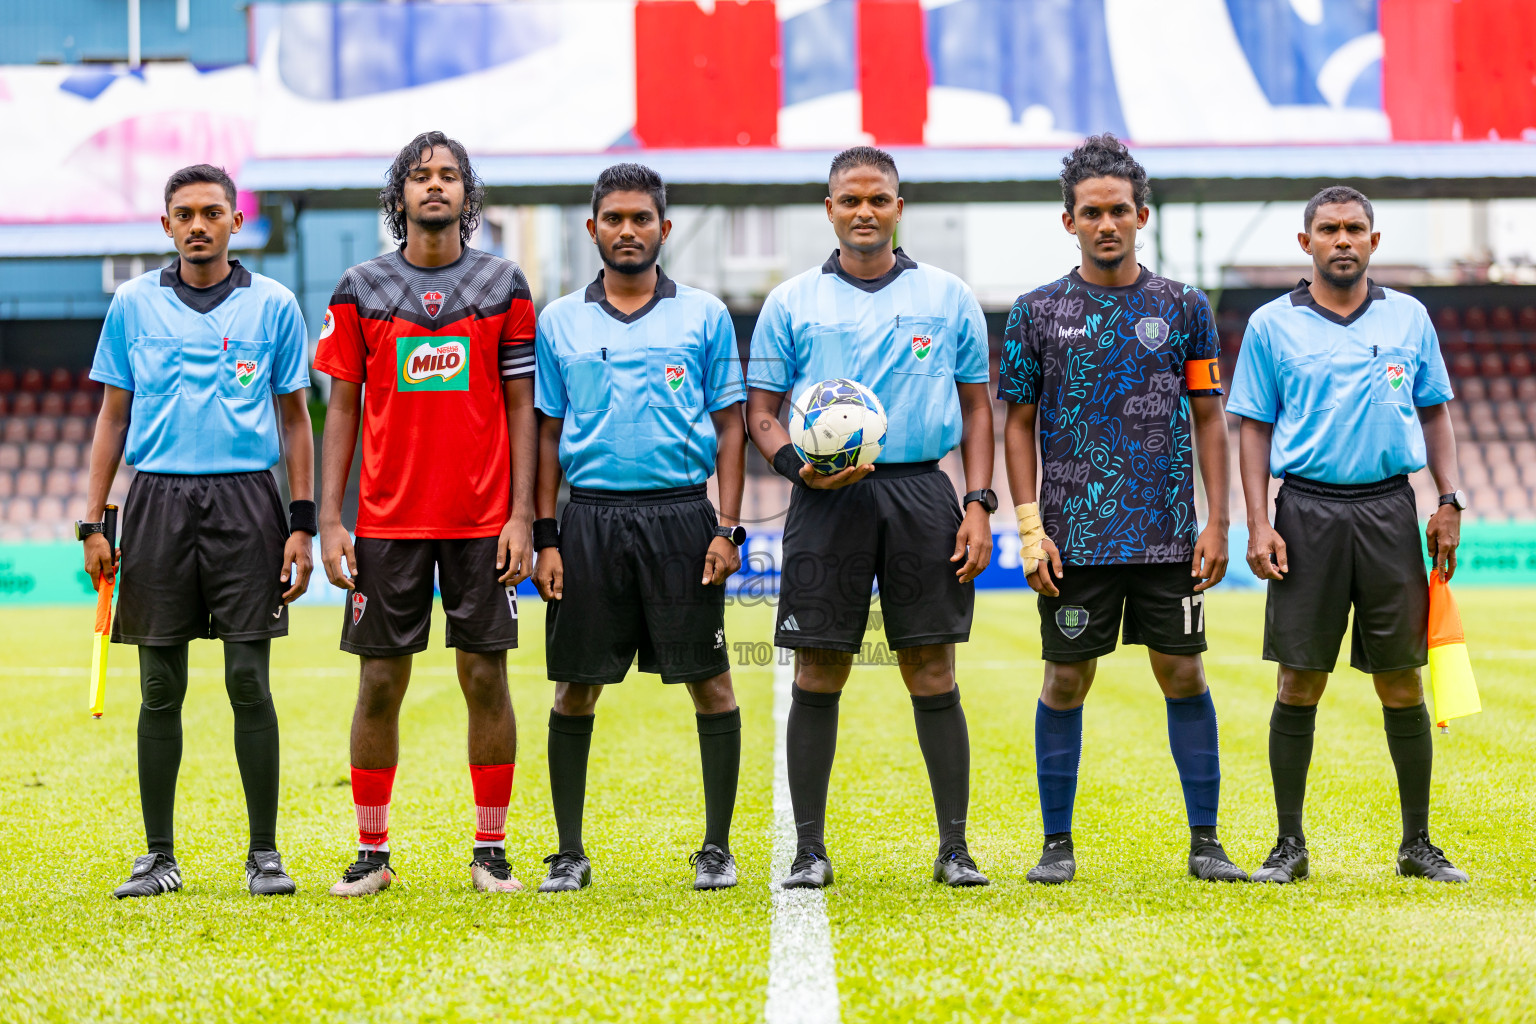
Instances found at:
x=908 y=336
x=1342 y=392
x=203 y=364
x=636 y=389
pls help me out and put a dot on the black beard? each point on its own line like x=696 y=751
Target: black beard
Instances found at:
x=1342 y=282
x=199 y=260
x=629 y=268
x=435 y=223
x=1106 y=265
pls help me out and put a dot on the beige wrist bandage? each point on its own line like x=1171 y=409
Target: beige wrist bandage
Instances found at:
x=1031 y=535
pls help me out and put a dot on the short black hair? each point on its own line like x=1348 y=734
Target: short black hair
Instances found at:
x=630 y=178
x=862 y=156
x=392 y=195
x=1103 y=156
x=1336 y=194
x=198 y=174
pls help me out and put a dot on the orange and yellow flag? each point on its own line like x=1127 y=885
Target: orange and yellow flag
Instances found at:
x=100 y=643
x=1450 y=670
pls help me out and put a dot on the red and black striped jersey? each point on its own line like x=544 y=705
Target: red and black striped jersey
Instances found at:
x=431 y=345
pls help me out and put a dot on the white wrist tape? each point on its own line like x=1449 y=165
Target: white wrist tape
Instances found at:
x=1031 y=535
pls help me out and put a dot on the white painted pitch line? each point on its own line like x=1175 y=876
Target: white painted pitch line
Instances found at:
x=802 y=975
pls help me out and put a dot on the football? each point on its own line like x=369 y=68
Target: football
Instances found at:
x=837 y=423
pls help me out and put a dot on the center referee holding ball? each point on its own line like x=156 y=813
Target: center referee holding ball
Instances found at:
x=915 y=336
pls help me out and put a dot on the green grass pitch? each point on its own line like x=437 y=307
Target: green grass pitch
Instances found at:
x=1131 y=939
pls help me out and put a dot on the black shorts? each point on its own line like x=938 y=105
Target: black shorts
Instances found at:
x=202 y=557
x=390 y=613
x=1349 y=546
x=896 y=527
x=1162 y=611
x=633 y=561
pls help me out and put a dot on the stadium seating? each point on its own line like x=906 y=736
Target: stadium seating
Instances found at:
x=47 y=418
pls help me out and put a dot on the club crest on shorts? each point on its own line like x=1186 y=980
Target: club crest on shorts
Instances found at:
x=1071 y=619
x=675 y=375
x=1152 y=331
x=1396 y=374
x=432 y=302
x=922 y=344
x=245 y=372
x=359 y=605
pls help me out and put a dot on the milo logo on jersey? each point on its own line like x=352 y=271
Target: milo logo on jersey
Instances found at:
x=432 y=364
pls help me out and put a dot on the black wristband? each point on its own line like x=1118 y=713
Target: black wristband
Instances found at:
x=301 y=518
x=787 y=463
x=546 y=534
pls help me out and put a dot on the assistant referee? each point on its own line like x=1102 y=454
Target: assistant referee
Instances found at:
x=191 y=356
x=1343 y=393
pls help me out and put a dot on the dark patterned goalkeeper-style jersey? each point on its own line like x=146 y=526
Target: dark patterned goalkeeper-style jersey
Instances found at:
x=1112 y=370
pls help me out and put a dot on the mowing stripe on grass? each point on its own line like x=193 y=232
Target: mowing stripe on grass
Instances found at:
x=802 y=978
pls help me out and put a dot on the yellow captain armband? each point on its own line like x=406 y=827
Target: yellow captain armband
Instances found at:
x=1031 y=535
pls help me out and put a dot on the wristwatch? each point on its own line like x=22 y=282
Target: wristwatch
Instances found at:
x=987 y=497
x=1457 y=497
x=84 y=530
x=735 y=534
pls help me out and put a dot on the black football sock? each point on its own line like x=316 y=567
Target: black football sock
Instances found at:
x=162 y=686
x=570 y=741
x=810 y=744
x=246 y=679
x=1290 y=755
x=1413 y=755
x=1058 y=750
x=1192 y=737
x=720 y=758
x=946 y=746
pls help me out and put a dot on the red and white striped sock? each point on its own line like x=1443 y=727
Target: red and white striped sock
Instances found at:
x=371 y=789
x=493 y=792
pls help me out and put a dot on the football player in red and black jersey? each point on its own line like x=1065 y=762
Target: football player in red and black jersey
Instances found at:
x=442 y=335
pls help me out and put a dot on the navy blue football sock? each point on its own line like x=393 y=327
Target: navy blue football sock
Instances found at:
x=1196 y=751
x=1058 y=750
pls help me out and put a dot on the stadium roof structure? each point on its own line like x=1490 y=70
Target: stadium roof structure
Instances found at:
x=755 y=176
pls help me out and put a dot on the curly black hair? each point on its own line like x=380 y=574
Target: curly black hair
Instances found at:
x=392 y=195
x=1102 y=156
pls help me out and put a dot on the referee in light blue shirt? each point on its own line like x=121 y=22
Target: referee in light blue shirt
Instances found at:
x=915 y=336
x=1343 y=392
x=638 y=387
x=192 y=356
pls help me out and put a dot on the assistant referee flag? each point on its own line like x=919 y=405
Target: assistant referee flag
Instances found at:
x=1450 y=670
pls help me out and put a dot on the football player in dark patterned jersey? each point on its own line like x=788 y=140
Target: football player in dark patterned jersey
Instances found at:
x=1112 y=364
x=442 y=334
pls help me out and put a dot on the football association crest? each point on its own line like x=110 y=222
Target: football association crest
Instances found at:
x=1396 y=374
x=1071 y=619
x=432 y=302
x=922 y=344
x=359 y=605
x=675 y=375
x=1152 y=332
x=245 y=372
